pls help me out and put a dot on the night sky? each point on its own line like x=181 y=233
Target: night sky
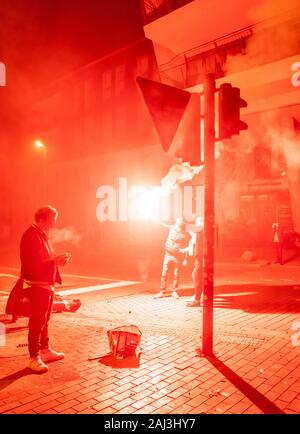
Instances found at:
x=43 y=40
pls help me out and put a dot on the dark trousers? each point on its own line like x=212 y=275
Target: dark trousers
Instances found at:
x=41 y=301
x=279 y=252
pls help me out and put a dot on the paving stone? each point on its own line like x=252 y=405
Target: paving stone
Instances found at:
x=253 y=363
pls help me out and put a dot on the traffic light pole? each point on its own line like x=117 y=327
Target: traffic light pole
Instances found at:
x=209 y=214
x=169 y=100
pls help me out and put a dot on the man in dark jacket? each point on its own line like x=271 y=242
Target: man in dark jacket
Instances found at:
x=39 y=271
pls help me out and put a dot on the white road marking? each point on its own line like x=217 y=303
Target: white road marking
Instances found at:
x=8 y=275
x=8 y=268
x=89 y=277
x=234 y=294
x=66 y=275
x=96 y=287
x=115 y=283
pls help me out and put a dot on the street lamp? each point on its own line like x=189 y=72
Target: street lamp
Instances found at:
x=39 y=144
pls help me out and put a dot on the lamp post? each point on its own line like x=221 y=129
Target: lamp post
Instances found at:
x=41 y=145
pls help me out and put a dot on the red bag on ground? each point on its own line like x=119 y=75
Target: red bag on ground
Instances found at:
x=18 y=303
x=124 y=341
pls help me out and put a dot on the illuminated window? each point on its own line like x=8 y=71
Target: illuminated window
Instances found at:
x=143 y=64
x=106 y=85
x=107 y=124
x=89 y=95
x=120 y=79
x=120 y=123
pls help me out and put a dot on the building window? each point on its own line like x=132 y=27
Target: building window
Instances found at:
x=89 y=95
x=120 y=124
x=107 y=125
x=142 y=66
x=120 y=79
x=107 y=85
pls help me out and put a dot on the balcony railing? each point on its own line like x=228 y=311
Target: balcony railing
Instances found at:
x=154 y=9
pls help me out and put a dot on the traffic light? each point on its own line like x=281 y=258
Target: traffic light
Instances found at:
x=190 y=151
x=230 y=104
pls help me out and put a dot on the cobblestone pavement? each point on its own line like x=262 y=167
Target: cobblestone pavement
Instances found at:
x=255 y=368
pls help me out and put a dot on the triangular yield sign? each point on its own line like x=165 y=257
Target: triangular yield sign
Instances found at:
x=166 y=105
x=296 y=125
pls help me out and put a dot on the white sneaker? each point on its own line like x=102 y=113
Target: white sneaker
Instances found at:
x=49 y=355
x=191 y=300
x=161 y=294
x=175 y=294
x=195 y=303
x=36 y=364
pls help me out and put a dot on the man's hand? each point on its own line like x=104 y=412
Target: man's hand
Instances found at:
x=62 y=259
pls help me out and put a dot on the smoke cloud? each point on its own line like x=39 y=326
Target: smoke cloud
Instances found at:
x=68 y=234
x=275 y=37
x=280 y=39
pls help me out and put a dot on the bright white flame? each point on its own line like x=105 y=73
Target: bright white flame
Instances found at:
x=39 y=144
x=147 y=203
